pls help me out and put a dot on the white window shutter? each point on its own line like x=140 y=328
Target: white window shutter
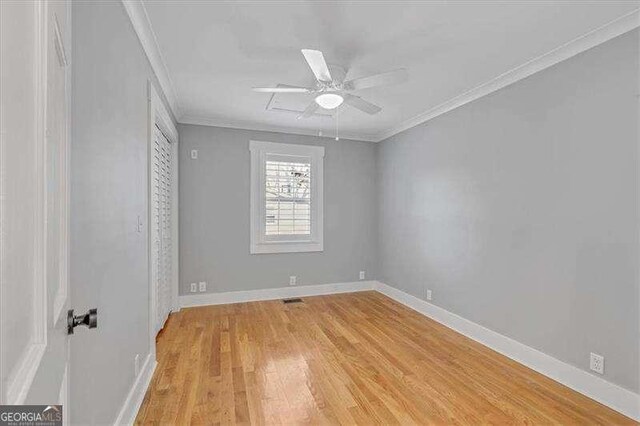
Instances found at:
x=286 y=198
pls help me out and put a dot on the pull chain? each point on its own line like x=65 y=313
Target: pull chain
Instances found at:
x=337 y=136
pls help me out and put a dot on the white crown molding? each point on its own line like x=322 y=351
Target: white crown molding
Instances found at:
x=205 y=299
x=607 y=393
x=142 y=26
x=246 y=125
x=133 y=401
x=578 y=45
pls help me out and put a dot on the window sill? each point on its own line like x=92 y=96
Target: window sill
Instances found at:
x=286 y=247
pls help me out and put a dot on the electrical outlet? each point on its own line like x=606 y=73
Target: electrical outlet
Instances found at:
x=136 y=365
x=292 y=280
x=194 y=154
x=597 y=363
x=202 y=285
x=362 y=275
x=428 y=294
x=194 y=287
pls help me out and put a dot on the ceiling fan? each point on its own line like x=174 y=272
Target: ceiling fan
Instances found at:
x=330 y=92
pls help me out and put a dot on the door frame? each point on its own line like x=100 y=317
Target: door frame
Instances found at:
x=159 y=115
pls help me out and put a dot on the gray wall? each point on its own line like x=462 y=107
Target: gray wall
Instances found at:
x=108 y=192
x=214 y=214
x=520 y=210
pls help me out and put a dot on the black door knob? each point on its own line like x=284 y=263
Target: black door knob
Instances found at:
x=90 y=320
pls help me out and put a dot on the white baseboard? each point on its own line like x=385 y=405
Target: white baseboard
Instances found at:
x=607 y=393
x=204 y=299
x=132 y=403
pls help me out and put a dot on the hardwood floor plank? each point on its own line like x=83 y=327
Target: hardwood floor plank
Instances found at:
x=358 y=358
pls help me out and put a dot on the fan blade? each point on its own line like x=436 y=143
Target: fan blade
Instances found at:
x=313 y=106
x=361 y=104
x=318 y=65
x=282 y=88
x=384 y=79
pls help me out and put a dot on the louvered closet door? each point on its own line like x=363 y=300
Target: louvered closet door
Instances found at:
x=162 y=200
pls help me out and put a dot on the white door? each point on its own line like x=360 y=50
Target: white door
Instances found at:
x=162 y=169
x=34 y=188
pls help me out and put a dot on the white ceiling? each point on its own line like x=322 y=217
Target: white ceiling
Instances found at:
x=215 y=52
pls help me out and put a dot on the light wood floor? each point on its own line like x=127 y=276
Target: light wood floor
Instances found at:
x=350 y=358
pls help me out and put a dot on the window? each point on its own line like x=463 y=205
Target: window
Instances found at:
x=286 y=197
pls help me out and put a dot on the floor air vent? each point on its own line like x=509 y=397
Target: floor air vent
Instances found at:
x=296 y=300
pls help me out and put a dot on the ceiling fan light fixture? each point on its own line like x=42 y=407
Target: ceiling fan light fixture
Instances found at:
x=329 y=100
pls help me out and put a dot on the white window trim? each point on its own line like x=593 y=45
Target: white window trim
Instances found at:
x=258 y=243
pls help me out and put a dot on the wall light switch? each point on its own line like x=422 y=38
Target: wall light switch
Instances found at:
x=194 y=154
x=202 y=286
x=194 y=287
